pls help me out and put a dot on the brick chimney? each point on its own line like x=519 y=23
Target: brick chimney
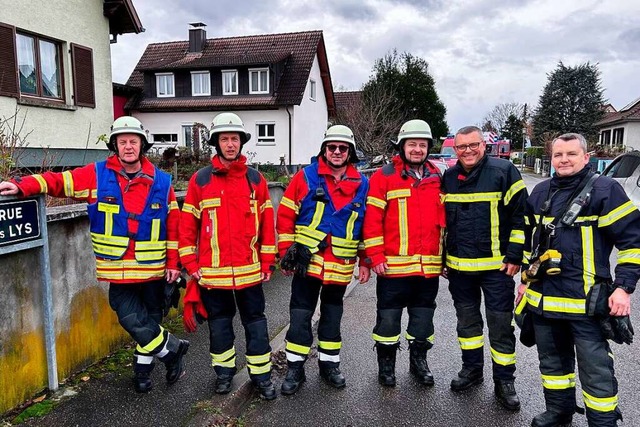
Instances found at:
x=197 y=37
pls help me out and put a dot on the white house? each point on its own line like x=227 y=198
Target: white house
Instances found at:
x=621 y=128
x=279 y=85
x=55 y=75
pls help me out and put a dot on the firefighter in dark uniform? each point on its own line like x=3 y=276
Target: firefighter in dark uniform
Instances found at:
x=580 y=226
x=484 y=203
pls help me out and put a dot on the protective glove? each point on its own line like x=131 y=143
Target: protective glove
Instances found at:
x=297 y=259
x=304 y=259
x=622 y=329
x=290 y=258
x=172 y=295
x=194 y=310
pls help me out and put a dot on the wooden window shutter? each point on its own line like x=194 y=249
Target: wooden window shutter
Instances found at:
x=8 y=62
x=83 y=85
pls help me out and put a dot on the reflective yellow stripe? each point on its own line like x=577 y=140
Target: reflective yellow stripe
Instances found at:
x=286 y=237
x=287 y=202
x=154 y=344
x=215 y=245
x=526 y=220
x=191 y=209
x=374 y=201
x=259 y=359
x=109 y=210
x=187 y=250
x=220 y=357
x=67 y=181
x=257 y=370
x=559 y=382
x=128 y=269
x=474 y=264
x=172 y=244
x=297 y=348
x=495 y=231
x=517 y=236
x=504 y=359
x=471 y=343
x=473 y=197
x=588 y=258
x=155 y=230
x=350 y=224
x=616 y=214
x=210 y=203
x=344 y=248
x=43 y=184
x=173 y=206
x=515 y=188
x=267 y=249
x=396 y=194
x=266 y=205
x=600 y=404
x=564 y=305
x=388 y=340
x=330 y=345
x=533 y=297
x=526 y=256
x=629 y=256
x=256 y=224
x=317 y=216
x=82 y=194
x=374 y=241
x=403 y=227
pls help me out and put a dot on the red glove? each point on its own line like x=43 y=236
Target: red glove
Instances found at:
x=194 y=310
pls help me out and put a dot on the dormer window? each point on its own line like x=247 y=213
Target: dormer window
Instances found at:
x=229 y=82
x=258 y=80
x=200 y=83
x=165 y=86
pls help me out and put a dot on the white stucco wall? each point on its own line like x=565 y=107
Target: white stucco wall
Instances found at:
x=632 y=135
x=163 y=123
x=309 y=120
x=70 y=21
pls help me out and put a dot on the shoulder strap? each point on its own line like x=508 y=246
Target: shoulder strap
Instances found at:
x=253 y=175
x=203 y=176
x=388 y=169
x=579 y=202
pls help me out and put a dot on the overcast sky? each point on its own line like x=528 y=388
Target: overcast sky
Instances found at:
x=481 y=53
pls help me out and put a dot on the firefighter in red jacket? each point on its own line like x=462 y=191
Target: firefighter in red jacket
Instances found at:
x=227 y=244
x=319 y=231
x=403 y=229
x=133 y=217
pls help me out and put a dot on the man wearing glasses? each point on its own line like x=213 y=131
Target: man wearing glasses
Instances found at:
x=484 y=203
x=319 y=228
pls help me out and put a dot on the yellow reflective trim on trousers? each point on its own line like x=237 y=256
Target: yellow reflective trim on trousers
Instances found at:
x=259 y=359
x=221 y=357
x=215 y=245
x=374 y=241
x=533 y=297
x=473 y=197
x=257 y=370
x=67 y=182
x=287 y=202
x=154 y=344
x=397 y=194
x=517 y=236
x=588 y=259
x=616 y=214
x=564 y=305
x=386 y=340
x=187 y=250
x=330 y=345
x=231 y=363
x=403 y=226
x=495 y=230
x=504 y=359
x=629 y=256
x=191 y=209
x=43 y=184
x=471 y=343
x=474 y=264
x=297 y=348
x=378 y=203
x=210 y=203
x=600 y=404
x=515 y=188
x=559 y=382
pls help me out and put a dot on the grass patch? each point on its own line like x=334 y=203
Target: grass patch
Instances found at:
x=37 y=410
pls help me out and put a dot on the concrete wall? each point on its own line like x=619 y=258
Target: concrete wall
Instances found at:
x=69 y=21
x=85 y=327
x=310 y=120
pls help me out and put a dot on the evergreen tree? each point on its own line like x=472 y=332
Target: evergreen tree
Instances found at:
x=512 y=130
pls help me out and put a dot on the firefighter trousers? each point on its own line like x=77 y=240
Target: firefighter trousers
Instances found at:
x=139 y=310
x=499 y=293
x=304 y=299
x=560 y=342
x=221 y=309
x=418 y=295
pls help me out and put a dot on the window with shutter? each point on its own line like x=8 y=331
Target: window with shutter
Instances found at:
x=83 y=84
x=8 y=62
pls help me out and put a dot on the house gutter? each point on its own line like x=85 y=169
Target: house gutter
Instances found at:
x=290 y=149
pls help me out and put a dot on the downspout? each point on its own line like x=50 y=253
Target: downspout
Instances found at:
x=290 y=148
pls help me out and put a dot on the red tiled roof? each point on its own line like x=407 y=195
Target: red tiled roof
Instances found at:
x=630 y=112
x=347 y=99
x=299 y=50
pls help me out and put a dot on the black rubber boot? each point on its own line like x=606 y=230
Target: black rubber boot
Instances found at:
x=142 y=382
x=418 y=362
x=294 y=379
x=387 y=364
x=506 y=394
x=330 y=372
x=552 y=419
x=175 y=367
x=266 y=389
x=223 y=383
x=467 y=378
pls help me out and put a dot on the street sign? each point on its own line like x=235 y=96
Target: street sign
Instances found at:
x=19 y=221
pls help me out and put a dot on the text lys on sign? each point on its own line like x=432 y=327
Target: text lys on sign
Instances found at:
x=18 y=221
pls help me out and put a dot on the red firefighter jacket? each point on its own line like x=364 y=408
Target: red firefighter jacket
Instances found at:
x=227 y=226
x=324 y=264
x=404 y=221
x=80 y=184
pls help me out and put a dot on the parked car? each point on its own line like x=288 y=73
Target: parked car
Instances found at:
x=626 y=170
x=440 y=161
